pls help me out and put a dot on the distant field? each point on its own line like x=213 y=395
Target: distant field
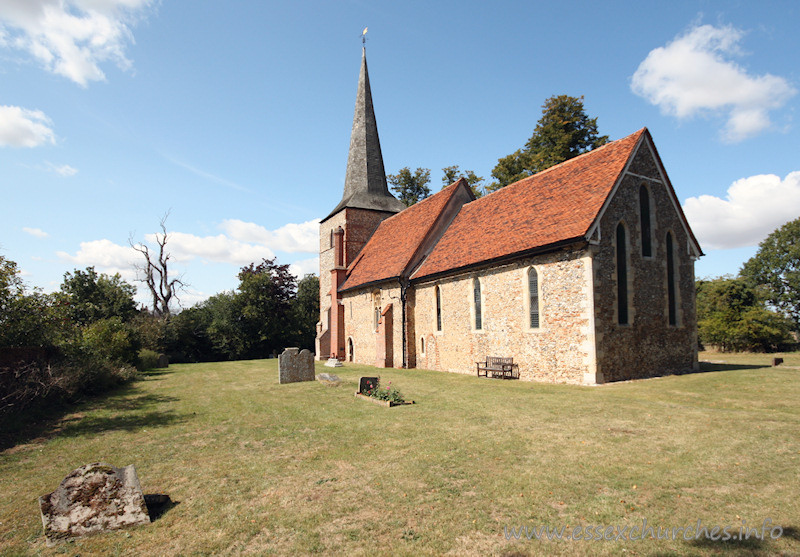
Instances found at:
x=266 y=469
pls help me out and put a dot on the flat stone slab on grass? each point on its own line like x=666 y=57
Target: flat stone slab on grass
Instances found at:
x=295 y=365
x=93 y=498
x=329 y=377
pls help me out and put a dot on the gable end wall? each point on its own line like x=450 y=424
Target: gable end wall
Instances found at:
x=649 y=346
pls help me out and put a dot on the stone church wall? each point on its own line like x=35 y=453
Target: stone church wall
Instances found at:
x=648 y=346
x=560 y=350
x=360 y=330
x=358 y=226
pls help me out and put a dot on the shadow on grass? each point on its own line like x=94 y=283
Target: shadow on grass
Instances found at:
x=709 y=366
x=156 y=373
x=125 y=422
x=65 y=418
x=158 y=504
x=748 y=545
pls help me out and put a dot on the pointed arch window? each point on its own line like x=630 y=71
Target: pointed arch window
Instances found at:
x=438 y=294
x=672 y=298
x=622 y=275
x=376 y=309
x=476 y=291
x=644 y=216
x=533 y=298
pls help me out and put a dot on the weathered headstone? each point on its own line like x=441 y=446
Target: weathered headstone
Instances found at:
x=367 y=384
x=93 y=498
x=295 y=365
x=333 y=362
x=329 y=377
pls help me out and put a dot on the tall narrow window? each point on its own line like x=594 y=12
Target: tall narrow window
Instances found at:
x=533 y=298
x=672 y=302
x=644 y=214
x=438 y=294
x=476 y=291
x=622 y=276
x=376 y=309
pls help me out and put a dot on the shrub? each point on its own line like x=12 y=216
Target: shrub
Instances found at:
x=148 y=359
x=111 y=340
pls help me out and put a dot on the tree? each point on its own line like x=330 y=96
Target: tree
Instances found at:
x=564 y=131
x=92 y=297
x=410 y=187
x=155 y=272
x=305 y=311
x=731 y=316
x=453 y=173
x=775 y=268
x=264 y=302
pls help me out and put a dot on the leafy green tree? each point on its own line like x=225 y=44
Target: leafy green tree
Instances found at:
x=28 y=319
x=305 y=311
x=92 y=297
x=775 y=268
x=731 y=316
x=265 y=296
x=187 y=336
x=226 y=327
x=453 y=173
x=564 y=131
x=410 y=187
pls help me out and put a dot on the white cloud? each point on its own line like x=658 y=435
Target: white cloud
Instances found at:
x=20 y=127
x=38 y=232
x=752 y=208
x=109 y=257
x=185 y=247
x=62 y=170
x=694 y=75
x=290 y=238
x=71 y=37
x=241 y=244
x=305 y=267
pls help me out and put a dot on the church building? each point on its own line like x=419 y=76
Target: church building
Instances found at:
x=583 y=273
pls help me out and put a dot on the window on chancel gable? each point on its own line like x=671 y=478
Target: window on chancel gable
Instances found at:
x=644 y=216
x=622 y=275
x=672 y=298
x=533 y=298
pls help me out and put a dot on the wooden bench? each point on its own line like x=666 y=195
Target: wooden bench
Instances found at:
x=503 y=368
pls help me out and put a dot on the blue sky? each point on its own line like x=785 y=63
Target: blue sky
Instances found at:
x=235 y=116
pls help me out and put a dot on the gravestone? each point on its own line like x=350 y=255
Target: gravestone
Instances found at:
x=93 y=498
x=329 y=377
x=368 y=383
x=295 y=365
x=777 y=361
x=163 y=361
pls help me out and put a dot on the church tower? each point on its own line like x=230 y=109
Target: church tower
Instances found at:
x=366 y=201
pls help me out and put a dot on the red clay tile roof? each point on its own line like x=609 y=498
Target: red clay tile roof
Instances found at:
x=394 y=243
x=553 y=206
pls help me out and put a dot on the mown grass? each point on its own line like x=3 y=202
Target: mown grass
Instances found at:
x=267 y=469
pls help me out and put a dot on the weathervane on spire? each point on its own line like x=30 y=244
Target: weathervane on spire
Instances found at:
x=364 y=37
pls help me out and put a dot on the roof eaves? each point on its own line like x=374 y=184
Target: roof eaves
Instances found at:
x=561 y=244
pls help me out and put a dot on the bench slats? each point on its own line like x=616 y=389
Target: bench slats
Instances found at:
x=499 y=367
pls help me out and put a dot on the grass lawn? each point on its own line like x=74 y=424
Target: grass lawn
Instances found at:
x=260 y=468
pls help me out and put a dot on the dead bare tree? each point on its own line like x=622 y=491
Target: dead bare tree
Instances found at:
x=154 y=272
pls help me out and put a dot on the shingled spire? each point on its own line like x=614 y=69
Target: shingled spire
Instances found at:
x=365 y=182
